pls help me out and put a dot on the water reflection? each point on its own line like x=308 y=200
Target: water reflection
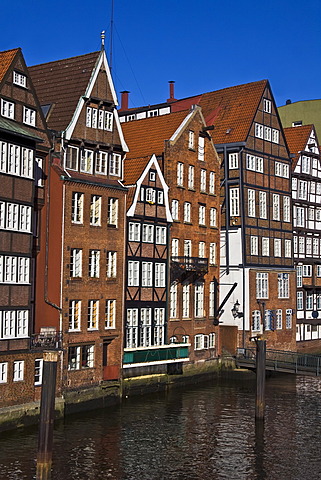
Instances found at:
x=208 y=431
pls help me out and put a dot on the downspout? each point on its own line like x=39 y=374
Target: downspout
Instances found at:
x=124 y=287
x=227 y=211
x=243 y=240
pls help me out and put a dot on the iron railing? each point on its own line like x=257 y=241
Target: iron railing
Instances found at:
x=46 y=341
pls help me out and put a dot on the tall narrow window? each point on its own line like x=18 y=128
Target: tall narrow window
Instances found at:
x=265 y=246
x=132 y=328
x=283 y=285
x=173 y=300
x=115 y=164
x=203 y=180
x=110 y=314
x=261 y=285
x=286 y=209
x=212 y=183
x=111 y=264
x=213 y=217
x=254 y=245
x=101 y=162
x=146 y=327
x=187 y=248
x=234 y=202
x=191 y=140
x=160 y=274
x=18 y=370
x=262 y=205
x=191 y=176
x=71 y=158
x=199 y=300
x=113 y=212
x=93 y=314
x=277 y=247
x=180 y=174
x=95 y=210
x=187 y=212
x=201 y=215
x=175 y=245
x=276 y=206
x=76 y=262
x=159 y=326
x=212 y=256
x=201 y=148
x=251 y=203
x=74 y=314
x=147 y=274
x=186 y=301
x=94 y=259
x=175 y=209
x=87 y=161
x=133 y=273
x=77 y=207
x=233 y=159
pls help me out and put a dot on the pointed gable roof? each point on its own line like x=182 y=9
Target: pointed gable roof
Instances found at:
x=297 y=138
x=231 y=110
x=145 y=137
x=6 y=59
x=61 y=84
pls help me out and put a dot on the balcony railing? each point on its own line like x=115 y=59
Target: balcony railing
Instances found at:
x=46 y=341
x=172 y=353
x=187 y=267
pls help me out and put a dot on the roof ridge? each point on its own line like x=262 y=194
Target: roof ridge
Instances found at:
x=64 y=59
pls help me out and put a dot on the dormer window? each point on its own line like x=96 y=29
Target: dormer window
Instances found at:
x=98 y=118
x=19 y=79
x=29 y=116
x=7 y=109
x=152 y=113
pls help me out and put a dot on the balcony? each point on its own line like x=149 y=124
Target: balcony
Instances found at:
x=46 y=340
x=188 y=268
x=158 y=355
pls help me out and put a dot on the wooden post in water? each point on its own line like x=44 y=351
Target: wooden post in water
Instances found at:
x=260 y=379
x=47 y=410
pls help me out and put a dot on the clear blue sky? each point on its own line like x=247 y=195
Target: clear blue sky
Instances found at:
x=203 y=45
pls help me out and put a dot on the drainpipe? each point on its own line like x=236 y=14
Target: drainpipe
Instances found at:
x=227 y=211
x=241 y=186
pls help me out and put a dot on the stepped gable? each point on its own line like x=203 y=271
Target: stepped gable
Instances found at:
x=61 y=84
x=231 y=110
x=6 y=59
x=297 y=138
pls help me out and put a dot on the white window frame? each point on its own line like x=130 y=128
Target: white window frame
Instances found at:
x=235 y=202
x=18 y=370
x=7 y=109
x=94 y=263
x=283 y=285
x=110 y=314
x=262 y=285
x=93 y=314
x=133 y=273
x=111 y=259
x=29 y=116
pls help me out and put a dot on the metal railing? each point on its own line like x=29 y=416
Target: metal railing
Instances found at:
x=282 y=361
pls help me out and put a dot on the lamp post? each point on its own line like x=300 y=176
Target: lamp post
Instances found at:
x=236 y=310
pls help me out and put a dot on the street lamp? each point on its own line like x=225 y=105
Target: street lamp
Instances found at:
x=236 y=310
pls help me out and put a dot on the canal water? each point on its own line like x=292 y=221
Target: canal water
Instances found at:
x=205 y=431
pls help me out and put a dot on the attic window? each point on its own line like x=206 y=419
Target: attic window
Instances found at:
x=19 y=79
x=266 y=105
x=152 y=113
x=152 y=176
x=298 y=123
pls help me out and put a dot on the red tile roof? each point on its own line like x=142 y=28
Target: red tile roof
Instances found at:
x=146 y=137
x=231 y=110
x=61 y=84
x=297 y=138
x=133 y=168
x=6 y=59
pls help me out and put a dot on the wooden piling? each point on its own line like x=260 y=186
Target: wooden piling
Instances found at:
x=260 y=379
x=47 y=410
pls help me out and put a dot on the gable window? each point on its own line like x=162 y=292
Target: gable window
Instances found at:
x=180 y=174
x=212 y=183
x=110 y=314
x=201 y=148
x=29 y=116
x=267 y=133
x=234 y=202
x=254 y=163
x=19 y=79
x=150 y=195
x=152 y=113
x=94 y=118
x=115 y=164
x=275 y=135
x=160 y=197
x=266 y=105
x=134 y=231
x=233 y=160
x=101 y=163
x=108 y=125
x=93 y=314
x=74 y=314
x=76 y=262
x=94 y=263
x=71 y=158
x=95 y=210
x=187 y=212
x=112 y=218
x=191 y=140
x=87 y=161
x=7 y=109
x=175 y=209
x=77 y=207
x=111 y=264
x=258 y=130
x=262 y=285
x=251 y=203
x=88 y=116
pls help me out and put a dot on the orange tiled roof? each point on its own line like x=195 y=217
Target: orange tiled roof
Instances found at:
x=231 y=110
x=145 y=137
x=61 y=84
x=297 y=138
x=133 y=168
x=6 y=59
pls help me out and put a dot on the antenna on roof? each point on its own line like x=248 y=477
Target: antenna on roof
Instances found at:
x=102 y=36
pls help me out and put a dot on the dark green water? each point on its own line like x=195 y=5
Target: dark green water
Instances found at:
x=203 y=432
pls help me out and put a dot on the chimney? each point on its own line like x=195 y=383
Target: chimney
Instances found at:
x=288 y=102
x=171 y=92
x=124 y=100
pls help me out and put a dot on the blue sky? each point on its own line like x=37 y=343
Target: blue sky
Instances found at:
x=203 y=45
